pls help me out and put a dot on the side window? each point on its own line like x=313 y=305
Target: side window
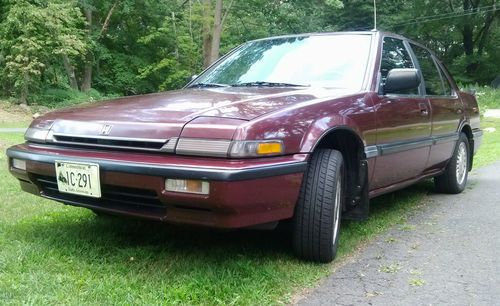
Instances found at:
x=448 y=90
x=432 y=78
x=395 y=55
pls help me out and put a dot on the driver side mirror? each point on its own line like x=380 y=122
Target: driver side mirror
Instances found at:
x=400 y=79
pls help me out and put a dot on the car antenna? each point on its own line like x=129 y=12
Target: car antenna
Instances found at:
x=374 y=15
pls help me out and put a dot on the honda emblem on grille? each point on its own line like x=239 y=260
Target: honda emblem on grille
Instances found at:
x=106 y=129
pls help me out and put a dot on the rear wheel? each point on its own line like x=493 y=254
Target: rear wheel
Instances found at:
x=454 y=178
x=316 y=223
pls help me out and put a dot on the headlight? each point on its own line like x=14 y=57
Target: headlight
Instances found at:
x=226 y=148
x=39 y=132
x=256 y=148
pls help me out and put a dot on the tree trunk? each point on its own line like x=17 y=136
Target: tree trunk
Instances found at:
x=207 y=33
x=217 y=31
x=23 y=99
x=87 y=73
x=468 y=39
x=70 y=71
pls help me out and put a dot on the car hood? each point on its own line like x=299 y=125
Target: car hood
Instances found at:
x=163 y=115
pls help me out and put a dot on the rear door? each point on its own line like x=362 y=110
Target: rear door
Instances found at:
x=447 y=108
x=403 y=123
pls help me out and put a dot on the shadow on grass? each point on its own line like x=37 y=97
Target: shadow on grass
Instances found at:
x=86 y=236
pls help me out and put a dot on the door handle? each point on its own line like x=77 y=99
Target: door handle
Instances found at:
x=424 y=110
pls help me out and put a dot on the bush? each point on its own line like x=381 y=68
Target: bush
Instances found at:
x=56 y=98
x=488 y=98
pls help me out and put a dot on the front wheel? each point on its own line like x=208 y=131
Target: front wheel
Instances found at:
x=454 y=178
x=316 y=223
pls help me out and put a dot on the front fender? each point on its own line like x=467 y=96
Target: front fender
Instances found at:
x=302 y=125
x=322 y=127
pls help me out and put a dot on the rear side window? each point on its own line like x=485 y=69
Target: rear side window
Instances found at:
x=395 y=55
x=432 y=78
x=448 y=90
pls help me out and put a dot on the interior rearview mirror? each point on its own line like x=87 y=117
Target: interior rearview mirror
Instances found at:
x=400 y=79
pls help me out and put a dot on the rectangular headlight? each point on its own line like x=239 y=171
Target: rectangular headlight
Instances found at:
x=39 y=132
x=202 y=147
x=36 y=135
x=226 y=148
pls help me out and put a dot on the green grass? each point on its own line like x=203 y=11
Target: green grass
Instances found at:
x=490 y=147
x=488 y=98
x=56 y=254
x=51 y=253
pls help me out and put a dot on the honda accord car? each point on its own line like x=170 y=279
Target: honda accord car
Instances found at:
x=301 y=128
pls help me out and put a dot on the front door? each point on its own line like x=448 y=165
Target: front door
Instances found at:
x=403 y=123
x=447 y=108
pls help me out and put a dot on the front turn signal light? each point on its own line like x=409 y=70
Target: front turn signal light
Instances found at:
x=269 y=148
x=187 y=186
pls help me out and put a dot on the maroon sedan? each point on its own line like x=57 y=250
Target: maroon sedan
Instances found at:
x=304 y=128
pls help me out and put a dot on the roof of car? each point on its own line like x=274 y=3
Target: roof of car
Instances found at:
x=372 y=32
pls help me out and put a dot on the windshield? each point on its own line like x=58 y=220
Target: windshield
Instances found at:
x=324 y=60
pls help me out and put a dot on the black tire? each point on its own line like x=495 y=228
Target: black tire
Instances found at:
x=453 y=181
x=316 y=222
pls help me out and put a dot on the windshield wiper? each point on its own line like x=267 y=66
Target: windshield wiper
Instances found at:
x=207 y=85
x=267 y=84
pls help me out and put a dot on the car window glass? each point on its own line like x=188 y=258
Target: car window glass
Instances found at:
x=395 y=55
x=333 y=61
x=448 y=90
x=431 y=76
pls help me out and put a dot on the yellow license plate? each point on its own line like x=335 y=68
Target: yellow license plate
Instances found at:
x=78 y=178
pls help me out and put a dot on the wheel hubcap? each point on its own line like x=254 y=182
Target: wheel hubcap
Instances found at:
x=337 y=208
x=461 y=163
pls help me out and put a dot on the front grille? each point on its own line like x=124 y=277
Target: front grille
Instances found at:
x=123 y=199
x=158 y=145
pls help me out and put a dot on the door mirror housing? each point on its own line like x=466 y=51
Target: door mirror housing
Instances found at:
x=400 y=79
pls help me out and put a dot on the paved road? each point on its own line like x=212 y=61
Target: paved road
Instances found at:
x=12 y=130
x=447 y=254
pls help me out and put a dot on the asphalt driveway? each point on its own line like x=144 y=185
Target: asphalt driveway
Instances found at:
x=446 y=254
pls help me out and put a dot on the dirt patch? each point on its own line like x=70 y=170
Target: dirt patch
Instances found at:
x=13 y=114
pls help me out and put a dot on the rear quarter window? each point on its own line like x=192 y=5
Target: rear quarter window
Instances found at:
x=431 y=75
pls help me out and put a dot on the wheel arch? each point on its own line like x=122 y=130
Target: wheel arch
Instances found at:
x=467 y=130
x=345 y=140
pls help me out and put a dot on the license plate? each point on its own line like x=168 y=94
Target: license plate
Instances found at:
x=78 y=178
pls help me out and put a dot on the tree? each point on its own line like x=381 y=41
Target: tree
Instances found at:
x=31 y=34
x=212 y=33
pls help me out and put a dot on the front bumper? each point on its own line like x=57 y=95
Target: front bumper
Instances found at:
x=242 y=192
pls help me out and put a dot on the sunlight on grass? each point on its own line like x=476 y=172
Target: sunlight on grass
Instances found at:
x=489 y=151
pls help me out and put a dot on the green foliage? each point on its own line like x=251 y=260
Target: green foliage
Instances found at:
x=56 y=97
x=32 y=34
x=141 y=46
x=487 y=98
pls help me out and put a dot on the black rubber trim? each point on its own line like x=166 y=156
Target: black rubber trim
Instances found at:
x=397 y=147
x=214 y=174
x=446 y=138
x=405 y=146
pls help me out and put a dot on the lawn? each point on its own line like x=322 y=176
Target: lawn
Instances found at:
x=56 y=254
